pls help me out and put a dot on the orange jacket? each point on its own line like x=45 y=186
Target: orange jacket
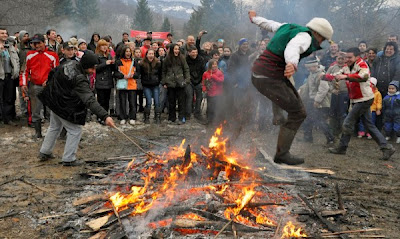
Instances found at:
x=124 y=66
x=377 y=105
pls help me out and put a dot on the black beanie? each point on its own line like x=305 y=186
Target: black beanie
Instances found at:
x=89 y=60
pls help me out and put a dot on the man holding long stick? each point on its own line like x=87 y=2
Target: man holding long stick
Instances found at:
x=278 y=63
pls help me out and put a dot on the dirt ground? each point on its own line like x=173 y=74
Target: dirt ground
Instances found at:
x=368 y=184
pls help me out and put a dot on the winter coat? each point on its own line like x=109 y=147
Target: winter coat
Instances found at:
x=123 y=66
x=150 y=73
x=337 y=87
x=196 y=67
x=391 y=106
x=38 y=66
x=213 y=82
x=14 y=61
x=175 y=72
x=377 y=104
x=385 y=70
x=239 y=69
x=92 y=45
x=68 y=94
x=105 y=74
x=359 y=91
x=327 y=60
x=23 y=51
x=144 y=50
x=316 y=89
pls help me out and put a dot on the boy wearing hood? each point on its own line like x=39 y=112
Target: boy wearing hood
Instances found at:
x=391 y=109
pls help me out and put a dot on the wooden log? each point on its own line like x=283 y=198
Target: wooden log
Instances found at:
x=9 y=215
x=330 y=226
x=36 y=186
x=100 y=211
x=352 y=231
x=330 y=213
x=57 y=215
x=99 y=235
x=339 y=195
x=88 y=199
x=97 y=223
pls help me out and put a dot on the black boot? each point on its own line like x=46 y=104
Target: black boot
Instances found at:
x=147 y=115
x=338 y=150
x=387 y=151
x=285 y=140
x=157 y=116
x=38 y=129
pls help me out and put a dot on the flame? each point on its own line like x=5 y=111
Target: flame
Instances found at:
x=290 y=231
x=215 y=159
x=192 y=216
x=163 y=223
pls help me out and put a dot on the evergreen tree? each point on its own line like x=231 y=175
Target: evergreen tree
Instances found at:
x=64 y=9
x=143 y=19
x=86 y=11
x=167 y=26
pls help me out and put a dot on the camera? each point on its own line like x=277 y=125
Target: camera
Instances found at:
x=205 y=32
x=6 y=44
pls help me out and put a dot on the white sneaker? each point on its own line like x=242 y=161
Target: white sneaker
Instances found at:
x=122 y=122
x=398 y=140
x=387 y=138
x=132 y=122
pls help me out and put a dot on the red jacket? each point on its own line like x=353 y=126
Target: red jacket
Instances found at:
x=359 y=91
x=213 y=82
x=38 y=66
x=144 y=50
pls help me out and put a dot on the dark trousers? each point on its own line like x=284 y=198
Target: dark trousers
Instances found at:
x=392 y=124
x=338 y=111
x=191 y=92
x=7 y=100
x=361 y=111
x=103 y=97
x=316 y=117
x=282 y=93
x=130 y=97
x=140 y=95
x=212 y=107
x=173 y=95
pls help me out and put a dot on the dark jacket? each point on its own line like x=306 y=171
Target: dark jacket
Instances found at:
x=175 y=72
x=91 y=45
x=68 y=94
x=386 y=69
x=391 y=107
x=239 y=69
x=196 y=67
x=105 y=74
x=150 y=73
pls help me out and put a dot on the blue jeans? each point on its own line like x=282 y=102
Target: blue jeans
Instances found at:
x=152 y=92
x=361 y=125
x=361 y=111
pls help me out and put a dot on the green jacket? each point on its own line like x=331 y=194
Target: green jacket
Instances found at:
x=287 y=32
x=175 y=75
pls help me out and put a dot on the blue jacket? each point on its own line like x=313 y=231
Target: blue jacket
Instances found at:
x=391 y=105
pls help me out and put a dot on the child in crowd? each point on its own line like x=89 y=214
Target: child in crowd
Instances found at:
x=340 y=95
x=212 y=82
x=316 y=95
x=376 y=108
x=391 y=111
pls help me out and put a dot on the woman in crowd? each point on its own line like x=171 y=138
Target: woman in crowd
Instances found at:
x=213 y=80
x=60 y=39
x=129 y=69
x=93 y=41
x=371 y=55
x=105 y=72
x=150 y=72
x=175 y=76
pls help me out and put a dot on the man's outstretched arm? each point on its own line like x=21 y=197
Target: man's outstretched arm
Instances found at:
x=266 y=24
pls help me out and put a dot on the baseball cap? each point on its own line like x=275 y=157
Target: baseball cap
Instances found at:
x=37 y=38
x=68 y=45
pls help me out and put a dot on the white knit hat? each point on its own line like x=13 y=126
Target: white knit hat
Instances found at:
x=373 y=80
x=322 y=26
x=80 y=40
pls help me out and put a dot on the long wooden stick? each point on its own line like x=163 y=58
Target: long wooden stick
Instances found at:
x=36 y=186
x=137 y=145
x=352 y=231
x=116 y=213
